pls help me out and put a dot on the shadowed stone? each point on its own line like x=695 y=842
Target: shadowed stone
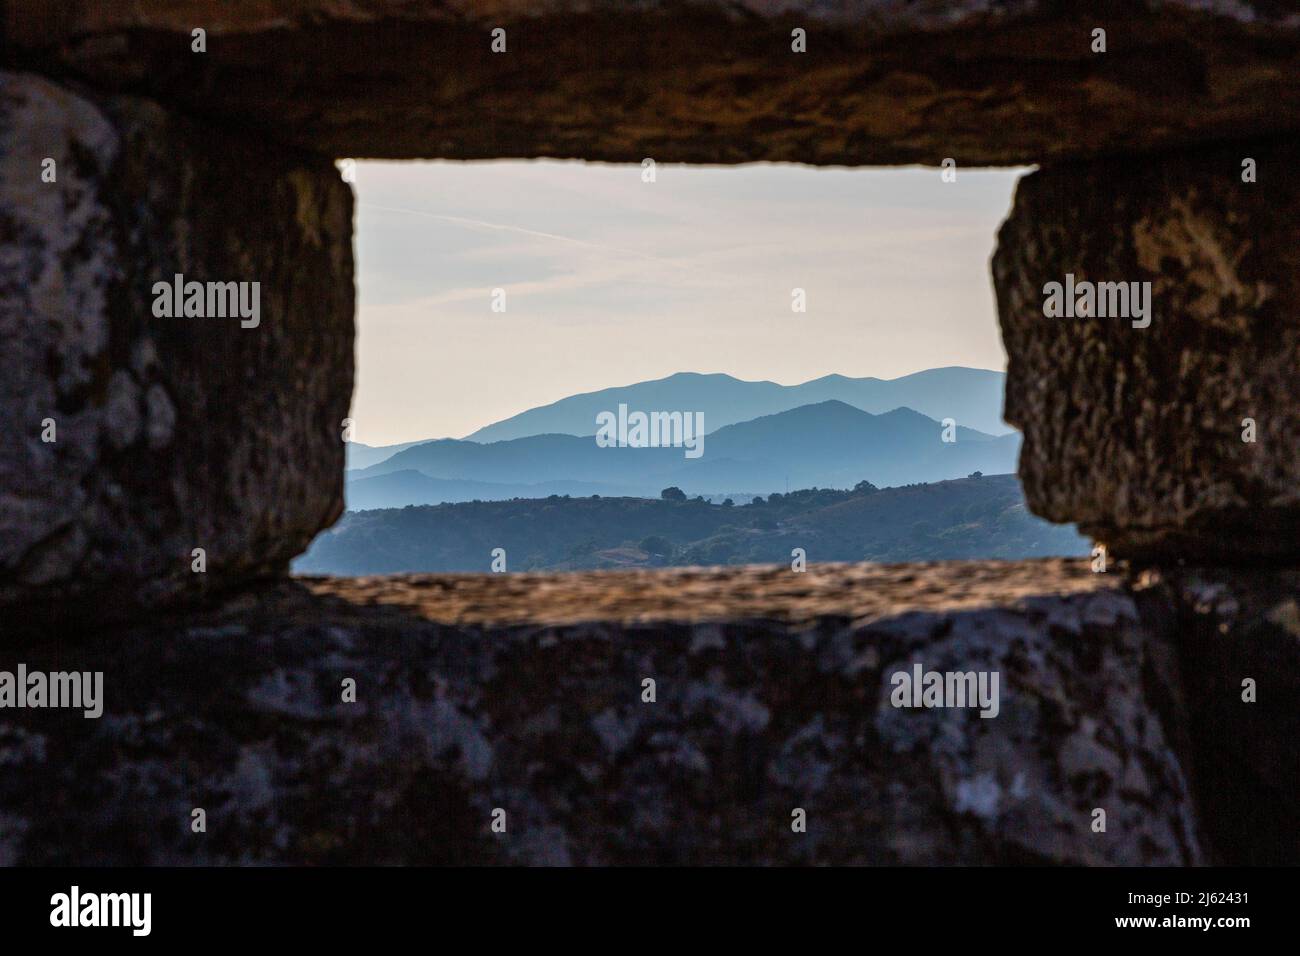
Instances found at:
x=170 y=433
x=772 y=693
x=1232 y=626
x=882 y=82
x=1137 y=433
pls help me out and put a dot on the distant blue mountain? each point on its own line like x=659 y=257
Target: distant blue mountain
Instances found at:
x=970 y=396
x=363 y=456
x=830 y=444
x=834 y=445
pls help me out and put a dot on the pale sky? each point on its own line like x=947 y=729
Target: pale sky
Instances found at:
x=611 y=280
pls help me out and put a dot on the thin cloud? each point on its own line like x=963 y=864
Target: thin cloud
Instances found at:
x=537 y=234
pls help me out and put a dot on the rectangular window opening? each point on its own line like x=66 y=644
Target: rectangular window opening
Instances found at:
x=568 y=366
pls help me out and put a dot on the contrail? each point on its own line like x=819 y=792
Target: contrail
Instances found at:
x=480 y=224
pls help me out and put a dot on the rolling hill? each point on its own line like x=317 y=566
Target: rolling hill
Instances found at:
x=396 y=489
x=967 y=518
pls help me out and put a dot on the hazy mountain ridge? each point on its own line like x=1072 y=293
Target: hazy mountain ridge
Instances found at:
x=829 y=444
x=360 y=455
x=973 y=397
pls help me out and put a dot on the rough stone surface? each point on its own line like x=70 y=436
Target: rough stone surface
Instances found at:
x=171 y=433
x=1230 y=627
x=1137 y=433
x=883 y=82
x=773 y=699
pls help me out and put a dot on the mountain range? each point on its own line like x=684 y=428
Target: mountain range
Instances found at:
x=827 y=443
x=971 y=396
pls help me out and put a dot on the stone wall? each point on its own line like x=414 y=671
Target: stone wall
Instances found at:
x=133 y=439
x=1175 y=435
x=1230 y=626
x=772 y=692
x=882 y=82
x=1163 y=693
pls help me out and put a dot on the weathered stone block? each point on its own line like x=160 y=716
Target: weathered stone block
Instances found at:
x=1237 y=632
x=132 y=439
x=772 y=692
x=706 y=81
x=1137 y=433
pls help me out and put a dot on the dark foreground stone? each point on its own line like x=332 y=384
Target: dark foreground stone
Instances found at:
x=882 y=82
x=1231 y=627
x=524 y=693
x=1137 y=433
x=170 y=434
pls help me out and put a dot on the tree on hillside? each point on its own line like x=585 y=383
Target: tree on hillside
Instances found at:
x=656 y=544
x=673 y=494
x=976 y=474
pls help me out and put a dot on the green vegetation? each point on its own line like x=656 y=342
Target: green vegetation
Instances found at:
x=976 y=517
